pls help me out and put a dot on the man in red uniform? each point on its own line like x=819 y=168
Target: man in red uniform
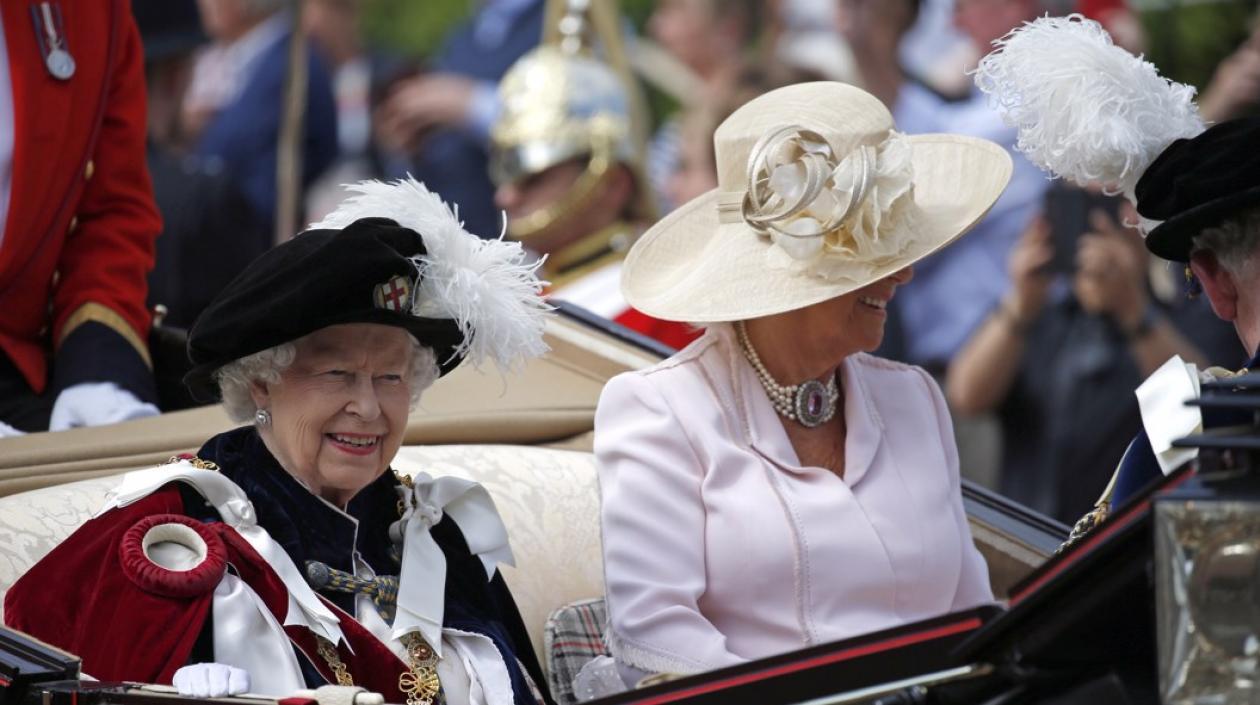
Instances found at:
x=77 y=217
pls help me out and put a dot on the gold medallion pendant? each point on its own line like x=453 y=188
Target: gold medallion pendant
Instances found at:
x=420 y=682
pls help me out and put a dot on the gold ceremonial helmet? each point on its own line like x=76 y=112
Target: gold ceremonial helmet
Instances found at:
x=560 y=101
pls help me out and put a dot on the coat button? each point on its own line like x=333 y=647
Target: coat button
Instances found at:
x=89 y=170
x=74 y=223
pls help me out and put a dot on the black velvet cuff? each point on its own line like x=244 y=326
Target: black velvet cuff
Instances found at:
x=93 y=352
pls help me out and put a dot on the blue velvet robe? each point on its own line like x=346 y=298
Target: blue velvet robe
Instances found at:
x=310 y=529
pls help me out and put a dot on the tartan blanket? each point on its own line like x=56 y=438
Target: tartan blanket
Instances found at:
x=572 y=636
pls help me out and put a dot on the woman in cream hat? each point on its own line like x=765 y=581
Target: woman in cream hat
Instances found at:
x=774 y=486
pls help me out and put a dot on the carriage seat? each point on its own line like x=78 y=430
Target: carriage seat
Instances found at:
x=548 y=498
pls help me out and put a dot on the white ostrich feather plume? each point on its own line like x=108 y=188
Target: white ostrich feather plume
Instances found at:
x=490 y=288
x=1085 y=109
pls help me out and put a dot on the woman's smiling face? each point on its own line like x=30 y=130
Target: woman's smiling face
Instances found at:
x=855 y=321
x=339 y=411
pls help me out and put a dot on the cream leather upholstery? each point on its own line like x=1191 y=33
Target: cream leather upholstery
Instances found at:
x=548 y=499
x=544 y=483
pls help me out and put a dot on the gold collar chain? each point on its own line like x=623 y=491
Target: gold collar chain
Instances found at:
x=420 y=682
x=192 y=460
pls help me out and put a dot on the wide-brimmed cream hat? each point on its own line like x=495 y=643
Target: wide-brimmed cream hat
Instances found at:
x=817 y=196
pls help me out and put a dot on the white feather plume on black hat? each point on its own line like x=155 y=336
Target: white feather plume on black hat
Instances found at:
x=1086 y=109
x=490 y=288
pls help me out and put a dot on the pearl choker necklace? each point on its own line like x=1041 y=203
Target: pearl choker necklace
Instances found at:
x=810 y=403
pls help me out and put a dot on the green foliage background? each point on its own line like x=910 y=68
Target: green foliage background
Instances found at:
x=416 y=27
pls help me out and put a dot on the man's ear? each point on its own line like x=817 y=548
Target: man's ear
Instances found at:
x=1218 y=283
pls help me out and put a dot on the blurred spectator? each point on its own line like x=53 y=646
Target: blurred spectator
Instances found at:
x=952 y=292
x=1060 y=356
x=936 y=52
x=801 y=36
x=359 y=77
x=1211 y=44
x=709 y=37
x=1235 y=87
x=1119 y=21
x=696 y=172
x=234 y=103
x=1188 y=39
x=874 y=30
x=76 y=208
x=210 y=232
x=443 y=116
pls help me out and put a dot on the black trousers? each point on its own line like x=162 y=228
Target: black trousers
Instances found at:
x=20 y=406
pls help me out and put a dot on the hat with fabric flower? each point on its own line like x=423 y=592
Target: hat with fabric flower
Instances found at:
x=818 y=195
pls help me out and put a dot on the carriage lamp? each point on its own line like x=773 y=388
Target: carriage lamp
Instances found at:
x=1207 y=573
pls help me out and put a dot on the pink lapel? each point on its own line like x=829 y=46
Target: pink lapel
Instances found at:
x=764 y=429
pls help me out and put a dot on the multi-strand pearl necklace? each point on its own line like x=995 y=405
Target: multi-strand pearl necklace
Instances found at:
x=810 y=403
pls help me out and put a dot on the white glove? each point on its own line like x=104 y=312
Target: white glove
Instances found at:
x=210 y=680
x=96 y=404
x=7 y=431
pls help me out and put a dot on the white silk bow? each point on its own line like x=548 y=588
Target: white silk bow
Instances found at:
x=422 y=580
x=1165 y=416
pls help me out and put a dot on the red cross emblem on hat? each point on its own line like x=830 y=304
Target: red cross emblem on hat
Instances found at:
x=393 y=295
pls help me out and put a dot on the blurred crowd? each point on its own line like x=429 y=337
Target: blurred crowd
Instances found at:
x=1039 y=324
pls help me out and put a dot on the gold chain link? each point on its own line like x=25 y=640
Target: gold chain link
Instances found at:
x=409 y=483
x=329 y=652
x=194 y=461
x=420 y=683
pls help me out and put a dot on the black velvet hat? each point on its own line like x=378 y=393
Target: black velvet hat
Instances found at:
x=360 y=274
x=1198 y=183
x=394 y=254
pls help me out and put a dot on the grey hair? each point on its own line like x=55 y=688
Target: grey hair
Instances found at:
x=1235 y=242
x=236 y=378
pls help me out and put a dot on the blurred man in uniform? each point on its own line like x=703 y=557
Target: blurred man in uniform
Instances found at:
x=567 y=158
x=78 y=218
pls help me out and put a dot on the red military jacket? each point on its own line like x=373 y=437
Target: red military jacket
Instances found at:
x=79 y=235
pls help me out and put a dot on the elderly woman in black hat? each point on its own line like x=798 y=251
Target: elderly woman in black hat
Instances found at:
x=285 y=554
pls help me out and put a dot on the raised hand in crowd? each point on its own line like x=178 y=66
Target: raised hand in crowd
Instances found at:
x=1235 y=86
x=1112 y=280
x=1110 y=275
x=982 y=372
x=421 y=104
x=1030 y=279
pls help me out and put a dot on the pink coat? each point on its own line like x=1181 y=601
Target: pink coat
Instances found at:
x=719 y=547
